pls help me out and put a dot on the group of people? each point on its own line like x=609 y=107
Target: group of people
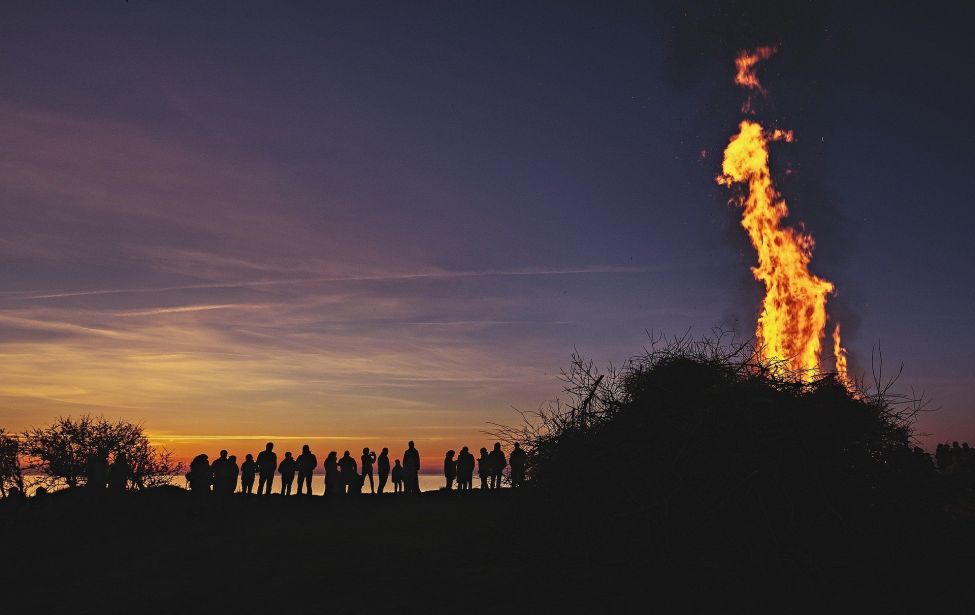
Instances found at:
x=490 y=467
x=955 y=459
x=101 y=475
x=344 y=474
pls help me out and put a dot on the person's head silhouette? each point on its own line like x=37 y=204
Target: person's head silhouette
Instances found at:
x=249 y=457
x=497 y=446
x=365 y=451
x=223 y=454
x=517 y=446
x=397 y=462
x=410 y=444
x=463 y=450
x=232 y=458
x=287 y=455
x=269 y=446
x=305 y=449
x=385 y=451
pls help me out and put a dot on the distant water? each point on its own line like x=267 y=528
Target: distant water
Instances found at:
x=428 y=482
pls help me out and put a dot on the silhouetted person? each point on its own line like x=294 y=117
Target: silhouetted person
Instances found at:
x=368 y=458
x=248 y=470
x=307 y=462
x=465 y=469
x=96 y=471
x=267 y=463
x=411 y=468
x=355 y=487
x=119 y=473
x=233 y=471
x=450 y=469
x=333 y=478
x=220 y=470
x=382 y=466
x=287 y=470
x=498 y=464
x=199 y=475
x=350 y=472
x=397 y=478
x=15 y=498
x=484 y=468
x=517 y=460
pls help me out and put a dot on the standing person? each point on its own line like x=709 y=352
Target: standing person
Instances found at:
x=350 y=473
x=119 y=473
x=397 y=478
x=517 y=459
x=287 y=470
x=484 y=468
x=267 y=463
x=411 y=468
x=465 y=469
x=233 y=471
x=333 y=481
x=219 y=470
x=368 y=458
x=382 y=465
x=450 y=469
x=248 y=470
x=498 y=464
x=307 y=462
x=96 y=471
x=199 y=475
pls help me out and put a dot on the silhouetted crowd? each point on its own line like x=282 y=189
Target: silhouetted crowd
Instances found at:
x=344 y=475
x=955 y=459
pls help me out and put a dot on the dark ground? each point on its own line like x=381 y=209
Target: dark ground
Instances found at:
x=169 y=551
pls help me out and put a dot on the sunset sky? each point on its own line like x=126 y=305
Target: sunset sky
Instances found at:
x=356 y=224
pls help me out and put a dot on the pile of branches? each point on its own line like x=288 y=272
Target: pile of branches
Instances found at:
x=704 y=424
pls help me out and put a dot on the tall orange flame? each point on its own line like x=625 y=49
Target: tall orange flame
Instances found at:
x=792 y=323
x=840 y=354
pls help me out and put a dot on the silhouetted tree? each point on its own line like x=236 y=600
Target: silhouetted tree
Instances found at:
x=10 y=464
x=62 y=450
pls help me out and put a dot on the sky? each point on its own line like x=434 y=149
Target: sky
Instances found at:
x=352 y=224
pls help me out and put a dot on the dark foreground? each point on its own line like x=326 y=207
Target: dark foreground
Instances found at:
x=166 y=550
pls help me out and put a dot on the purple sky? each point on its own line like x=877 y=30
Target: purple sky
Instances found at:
x=385 y=219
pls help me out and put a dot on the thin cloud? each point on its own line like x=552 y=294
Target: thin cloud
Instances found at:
x=436 y=275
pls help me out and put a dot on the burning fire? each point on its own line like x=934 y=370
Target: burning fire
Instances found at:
x=792 y=324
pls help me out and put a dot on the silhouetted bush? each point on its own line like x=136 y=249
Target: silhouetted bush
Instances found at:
x=10 y=470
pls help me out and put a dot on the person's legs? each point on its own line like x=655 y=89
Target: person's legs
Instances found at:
x=382 y=481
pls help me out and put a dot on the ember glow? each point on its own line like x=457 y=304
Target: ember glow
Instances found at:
x=792 y=322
